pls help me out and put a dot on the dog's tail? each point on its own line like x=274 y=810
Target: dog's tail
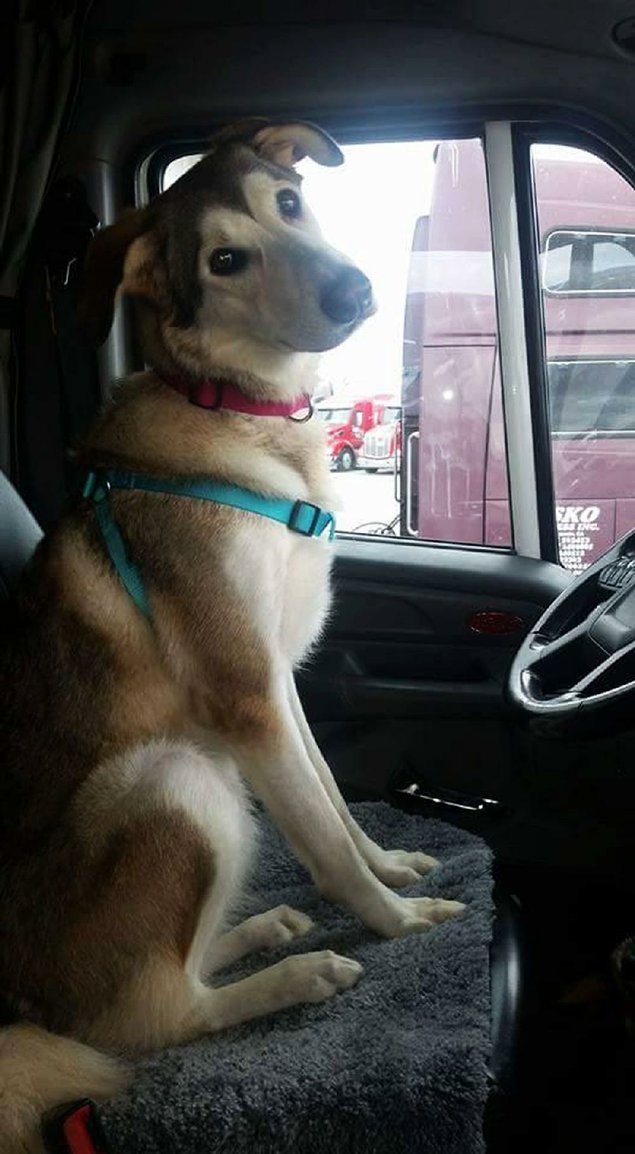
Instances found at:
x=39 y=1071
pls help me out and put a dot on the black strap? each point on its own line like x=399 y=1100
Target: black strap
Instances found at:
x=64 y=229
x=59 y=388
x=7 y=312
x=67 y=224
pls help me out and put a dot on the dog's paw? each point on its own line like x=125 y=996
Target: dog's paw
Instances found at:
x=318 y=976
x=279 y=926
x=416 y=915
x=399 y=867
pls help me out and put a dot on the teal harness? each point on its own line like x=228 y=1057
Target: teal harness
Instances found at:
x=299 y=516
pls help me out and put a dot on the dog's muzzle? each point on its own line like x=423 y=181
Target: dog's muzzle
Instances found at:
x=349 y=299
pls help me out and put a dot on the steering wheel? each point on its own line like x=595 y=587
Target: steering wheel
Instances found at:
x=576 y=668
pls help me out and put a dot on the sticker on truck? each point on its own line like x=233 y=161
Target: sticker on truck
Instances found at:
x=584 y=531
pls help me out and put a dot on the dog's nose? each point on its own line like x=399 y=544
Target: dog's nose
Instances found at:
x=349 y=298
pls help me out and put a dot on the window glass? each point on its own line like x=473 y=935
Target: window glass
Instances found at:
x=612 y=264
x=559 y=264
x=453 y=470
x=390 y=414
x=589 y=262
x=333 y=416
x=411 y=403
x=592 y=396
x=586 y=222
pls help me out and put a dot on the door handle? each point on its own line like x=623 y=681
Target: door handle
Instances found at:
x=396 y=464
x=446 y=798
x=412 y=529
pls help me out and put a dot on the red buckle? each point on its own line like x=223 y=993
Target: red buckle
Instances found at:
x=74 y=1130
x=76 y=1133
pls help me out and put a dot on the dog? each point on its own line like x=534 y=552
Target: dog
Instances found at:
x=148 y=670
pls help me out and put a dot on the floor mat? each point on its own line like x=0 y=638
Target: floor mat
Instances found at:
x=396 y=1065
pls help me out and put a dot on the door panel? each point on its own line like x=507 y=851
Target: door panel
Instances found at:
x=402 y=688
x=402 y=691
x=401 y=642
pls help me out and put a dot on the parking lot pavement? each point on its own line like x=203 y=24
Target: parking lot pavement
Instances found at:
x=364 y=497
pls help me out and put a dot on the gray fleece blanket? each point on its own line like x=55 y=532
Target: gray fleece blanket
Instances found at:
x=396 y=1065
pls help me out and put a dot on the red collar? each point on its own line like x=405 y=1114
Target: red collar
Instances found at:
x=223 y=395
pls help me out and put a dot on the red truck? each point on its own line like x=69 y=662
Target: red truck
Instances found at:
x=454 y=471
x=381 y=447
x=347 y=421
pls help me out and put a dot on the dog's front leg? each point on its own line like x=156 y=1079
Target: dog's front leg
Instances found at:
x=276 y=764
x=394 y=867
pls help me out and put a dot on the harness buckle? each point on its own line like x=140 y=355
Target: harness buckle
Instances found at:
x=74 y=1129
x=205 y=404
x=297 y=512
x=96 y=487
x=308 y=414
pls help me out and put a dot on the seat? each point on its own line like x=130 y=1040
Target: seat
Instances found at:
x=19 y=535
x=509 y=994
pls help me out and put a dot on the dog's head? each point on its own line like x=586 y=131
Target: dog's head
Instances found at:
x=229 y=265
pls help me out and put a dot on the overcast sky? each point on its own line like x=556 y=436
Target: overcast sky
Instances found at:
x=368 y=208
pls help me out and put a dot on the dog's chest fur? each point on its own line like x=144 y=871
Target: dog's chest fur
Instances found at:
x=282 y=585
x=236 y=598
x=221 y=559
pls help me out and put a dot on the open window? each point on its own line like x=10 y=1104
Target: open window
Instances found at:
x=429 y=415
x=412 y=402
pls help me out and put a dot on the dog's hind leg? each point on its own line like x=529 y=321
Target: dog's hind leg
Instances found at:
x=175 y=829
x=301 y=978
x=167 y=1007
x=265 y=931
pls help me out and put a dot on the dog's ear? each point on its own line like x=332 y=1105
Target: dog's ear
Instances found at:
x=104 y=272
x=287 y=144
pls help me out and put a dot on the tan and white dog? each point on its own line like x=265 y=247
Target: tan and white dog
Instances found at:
x=129 y=743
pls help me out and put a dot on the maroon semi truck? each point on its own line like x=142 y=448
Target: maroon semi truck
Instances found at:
x=453 y=468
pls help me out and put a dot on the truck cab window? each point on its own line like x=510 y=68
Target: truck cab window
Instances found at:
x=586 y=222
x=412 y=405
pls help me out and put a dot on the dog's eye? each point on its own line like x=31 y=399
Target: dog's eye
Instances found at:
x=225 y=261
x=289 y=203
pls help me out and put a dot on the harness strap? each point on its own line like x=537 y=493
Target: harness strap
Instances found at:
x=299 y=516
x=97 y=489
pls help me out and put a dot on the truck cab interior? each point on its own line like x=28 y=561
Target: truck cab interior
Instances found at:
x=479 y=663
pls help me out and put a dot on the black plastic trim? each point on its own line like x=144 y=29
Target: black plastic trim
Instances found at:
x=479 y=571
x=496 y=550
x=152 y=160
x=528 y=239
x=551 y=123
